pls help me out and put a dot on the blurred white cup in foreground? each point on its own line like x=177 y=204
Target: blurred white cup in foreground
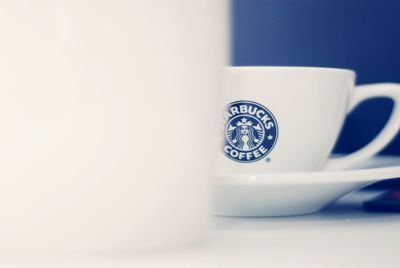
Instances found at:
x=104 y=107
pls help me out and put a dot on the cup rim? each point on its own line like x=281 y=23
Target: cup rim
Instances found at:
x=291 y=68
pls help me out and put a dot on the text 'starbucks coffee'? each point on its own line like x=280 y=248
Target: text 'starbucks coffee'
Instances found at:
x=250 y=131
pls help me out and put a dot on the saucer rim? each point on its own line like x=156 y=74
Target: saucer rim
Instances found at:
x=323 y=176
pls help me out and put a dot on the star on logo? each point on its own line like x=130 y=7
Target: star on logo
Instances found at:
x=270 y=137
x=244 y=122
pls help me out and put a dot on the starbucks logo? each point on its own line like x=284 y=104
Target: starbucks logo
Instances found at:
x=251 y=131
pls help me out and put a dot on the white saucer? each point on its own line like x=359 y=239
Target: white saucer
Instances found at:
x=284 y=194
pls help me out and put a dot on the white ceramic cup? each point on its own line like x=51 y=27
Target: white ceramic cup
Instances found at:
x=102 y=144
x=284 y=119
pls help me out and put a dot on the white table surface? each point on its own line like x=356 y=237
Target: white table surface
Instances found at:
x=342 y=235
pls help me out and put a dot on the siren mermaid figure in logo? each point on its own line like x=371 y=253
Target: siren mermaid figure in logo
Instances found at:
x=244 y=136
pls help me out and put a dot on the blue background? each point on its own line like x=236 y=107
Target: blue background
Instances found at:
x=363 y=35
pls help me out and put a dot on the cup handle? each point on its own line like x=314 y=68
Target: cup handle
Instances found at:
x=362 y=93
